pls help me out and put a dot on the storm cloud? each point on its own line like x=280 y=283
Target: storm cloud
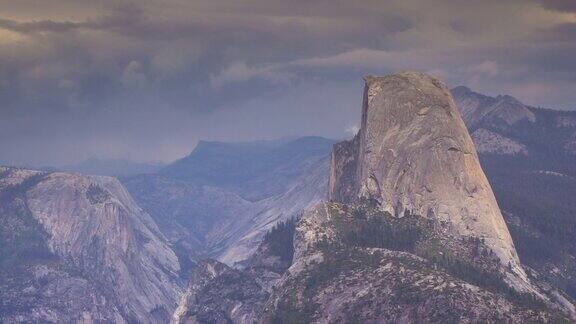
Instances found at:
x=146 y=80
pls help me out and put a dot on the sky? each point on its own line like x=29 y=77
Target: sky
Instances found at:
x=145 y=80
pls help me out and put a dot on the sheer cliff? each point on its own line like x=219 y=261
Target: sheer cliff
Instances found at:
x=82 y=241
x=414 y=154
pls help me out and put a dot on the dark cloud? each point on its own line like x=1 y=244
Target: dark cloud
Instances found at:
x=566 y=5
x=147 y=79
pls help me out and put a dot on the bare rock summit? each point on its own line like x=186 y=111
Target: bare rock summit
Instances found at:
x=413 y=154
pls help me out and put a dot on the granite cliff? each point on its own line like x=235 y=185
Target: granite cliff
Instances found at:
x=78 y=248
x=414 y=154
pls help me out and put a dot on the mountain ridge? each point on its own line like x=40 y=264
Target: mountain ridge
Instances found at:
x=207 y=216
x=245 y=168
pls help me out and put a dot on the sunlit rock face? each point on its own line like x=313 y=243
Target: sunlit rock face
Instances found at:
x=413 y=154
x=92 y=226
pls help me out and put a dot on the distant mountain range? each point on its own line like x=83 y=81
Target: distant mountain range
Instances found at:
x=504 y=126
x=221 y=199
x=254 y=170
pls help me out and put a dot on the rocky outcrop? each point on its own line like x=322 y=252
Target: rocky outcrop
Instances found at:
x=493 y=143
x=337 y=277
x=415 y=155
x=343 y=169
x=219 y=294
x=332 y=279
x=93 y=226
x=36 y=285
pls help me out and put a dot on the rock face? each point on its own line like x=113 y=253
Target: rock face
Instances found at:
x=92 y=227
x=219 y=294
x=414 y=154
x=332 y=279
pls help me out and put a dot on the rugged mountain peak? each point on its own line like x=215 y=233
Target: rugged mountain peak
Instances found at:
x=460 y=90
x=413 y=154
x=477 y=109
x=508 y=99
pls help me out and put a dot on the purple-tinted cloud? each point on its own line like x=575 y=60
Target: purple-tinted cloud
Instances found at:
x=145 y=80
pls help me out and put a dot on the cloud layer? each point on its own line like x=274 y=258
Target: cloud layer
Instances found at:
x=145 y=80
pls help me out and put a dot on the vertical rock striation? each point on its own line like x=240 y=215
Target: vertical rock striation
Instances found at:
x=94 y=228
x=413 y=154
x=94 y=223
